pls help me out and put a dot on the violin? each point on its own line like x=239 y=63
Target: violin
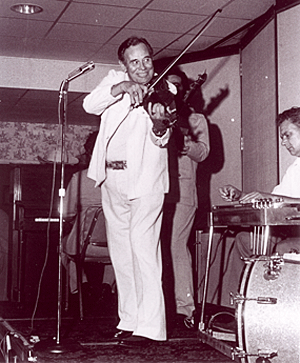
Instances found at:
x=184 y=110
x=198 y=83
x=176 y=110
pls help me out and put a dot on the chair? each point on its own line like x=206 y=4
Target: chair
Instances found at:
x=91 y=247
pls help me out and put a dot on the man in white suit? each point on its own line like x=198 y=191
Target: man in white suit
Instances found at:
x=130 y=163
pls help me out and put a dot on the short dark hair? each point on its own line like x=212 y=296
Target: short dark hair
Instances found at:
x=292 y=114
x=176 y=71
x=133 y=41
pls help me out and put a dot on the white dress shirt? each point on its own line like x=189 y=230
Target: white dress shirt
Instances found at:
x=290 y=183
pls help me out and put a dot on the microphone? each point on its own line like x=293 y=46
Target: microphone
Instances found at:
x=86 y=67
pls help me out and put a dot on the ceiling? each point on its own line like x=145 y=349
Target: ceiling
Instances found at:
x=92 y=30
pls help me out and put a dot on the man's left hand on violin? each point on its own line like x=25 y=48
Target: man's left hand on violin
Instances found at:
x=160 y=117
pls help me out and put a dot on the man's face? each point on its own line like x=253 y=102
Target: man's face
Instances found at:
x=138 y=64
x=290 y=137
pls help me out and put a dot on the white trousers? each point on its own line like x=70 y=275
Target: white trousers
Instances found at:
x=133 y=230
x=181 y=258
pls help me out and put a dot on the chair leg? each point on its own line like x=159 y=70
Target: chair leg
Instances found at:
x=67 y=290
x=79 y=285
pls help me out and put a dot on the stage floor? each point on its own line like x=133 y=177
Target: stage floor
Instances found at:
x=87 y=340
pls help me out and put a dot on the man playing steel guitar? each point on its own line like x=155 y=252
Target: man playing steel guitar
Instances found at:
x=288 y=191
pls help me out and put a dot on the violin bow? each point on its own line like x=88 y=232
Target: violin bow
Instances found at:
x=166 y=70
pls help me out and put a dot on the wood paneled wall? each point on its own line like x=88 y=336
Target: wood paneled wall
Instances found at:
x=259 y=131
x=288 y=36
x=221 y=92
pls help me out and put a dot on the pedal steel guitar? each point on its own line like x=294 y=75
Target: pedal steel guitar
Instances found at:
x=260 y=215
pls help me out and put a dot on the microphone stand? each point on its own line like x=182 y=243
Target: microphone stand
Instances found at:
x=54 y=345
x=58 y=347
x=63 y=98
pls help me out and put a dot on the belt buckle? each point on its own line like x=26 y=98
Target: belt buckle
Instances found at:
x=119 y=165
x=116 y=165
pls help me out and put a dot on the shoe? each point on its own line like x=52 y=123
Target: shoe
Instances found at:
x=230 y=327
x=136 y=341
x=122 y=334
x=189 y=322
x=224 y=322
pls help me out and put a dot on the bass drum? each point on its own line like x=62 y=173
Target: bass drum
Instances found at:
x=268 y=311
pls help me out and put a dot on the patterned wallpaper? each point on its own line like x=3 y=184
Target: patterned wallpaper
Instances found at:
x=22 y=142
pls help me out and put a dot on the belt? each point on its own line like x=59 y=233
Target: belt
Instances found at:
x=116 y=165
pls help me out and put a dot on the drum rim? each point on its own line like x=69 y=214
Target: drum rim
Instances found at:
x=241 y=334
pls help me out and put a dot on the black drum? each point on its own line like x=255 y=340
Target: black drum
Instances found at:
x=268 y=310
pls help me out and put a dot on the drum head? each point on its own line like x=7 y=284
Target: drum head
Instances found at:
x=267 y=327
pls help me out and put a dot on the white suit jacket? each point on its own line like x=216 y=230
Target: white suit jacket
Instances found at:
x=146 y=153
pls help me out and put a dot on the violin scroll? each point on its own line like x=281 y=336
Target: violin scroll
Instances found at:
x=198 y=83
